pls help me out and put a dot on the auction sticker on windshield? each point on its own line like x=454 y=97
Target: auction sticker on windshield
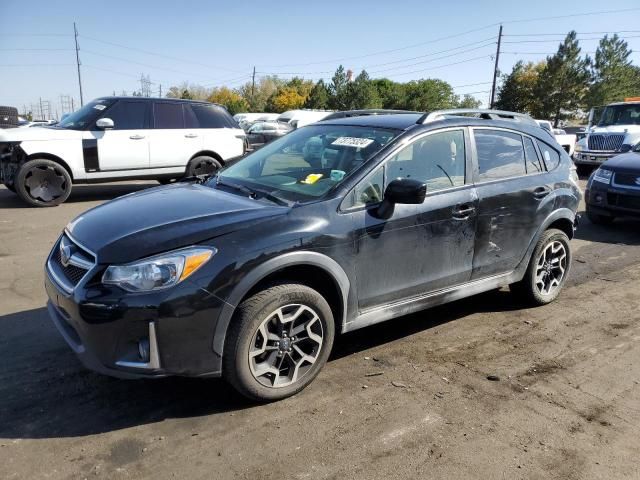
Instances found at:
x=352 y=142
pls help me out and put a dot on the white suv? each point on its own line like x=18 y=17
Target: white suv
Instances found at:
x=118 y=138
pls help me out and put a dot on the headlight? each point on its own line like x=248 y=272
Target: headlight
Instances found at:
x=158 y=272
x=602 y=176
x=578 y=148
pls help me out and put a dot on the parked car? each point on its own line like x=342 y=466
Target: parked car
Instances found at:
x=566 y=141
x=261 y=133
x=8 y=117
x=336 y=226
x=117 y=138
x=617 y=131
x=300 y=118
x=253 y=117
x=613 y=190
x=361 y=113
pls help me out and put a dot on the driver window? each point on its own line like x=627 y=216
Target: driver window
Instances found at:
x=437 y=160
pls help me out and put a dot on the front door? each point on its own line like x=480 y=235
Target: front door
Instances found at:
x=420 y=248
x=126 y=146
x=514 y=199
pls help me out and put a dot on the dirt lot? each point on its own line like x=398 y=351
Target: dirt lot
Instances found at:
x=406 y=399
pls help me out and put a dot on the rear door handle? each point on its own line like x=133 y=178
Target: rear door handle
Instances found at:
x=191 y=135
x=136 y=137
x=541 y=192
x=462 y=212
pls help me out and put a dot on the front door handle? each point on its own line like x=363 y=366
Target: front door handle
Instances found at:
x=464 y=211
x=541 y=192
x=136 y=137
x=191 y=135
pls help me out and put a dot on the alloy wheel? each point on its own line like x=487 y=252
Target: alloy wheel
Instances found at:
x=551 y=267
x=45 y=183
x=286 y=345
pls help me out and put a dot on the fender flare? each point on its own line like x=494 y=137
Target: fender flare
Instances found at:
x=562 y=213
x=270 y=266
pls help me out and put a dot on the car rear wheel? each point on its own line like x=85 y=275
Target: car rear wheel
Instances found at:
x=279 y=340
x=43 y=183
x=547 y=271
x=203 y=165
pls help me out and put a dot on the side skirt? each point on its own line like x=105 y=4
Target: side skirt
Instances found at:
x=446 y=295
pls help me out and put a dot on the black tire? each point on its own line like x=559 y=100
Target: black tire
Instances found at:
x=244 y=334
x=8 y=117
x=528 y=288
x=166 y=181
x=584 y=170
x=598 y=219
x=42 y=183
x=203 y=165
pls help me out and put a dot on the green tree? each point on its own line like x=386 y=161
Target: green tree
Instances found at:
x=564 y=81
x=339 y=99
x=612 y=74
x=318 y=97
x=263 y=90
x=518 y=91
x=468 y=101
x=392 y=94
x=186 y=95
x=428 y=95
x=362 y=93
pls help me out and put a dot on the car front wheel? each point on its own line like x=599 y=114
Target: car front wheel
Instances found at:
x=42 y=183
x=279 y=339
x=547 y=271
x=203 y=165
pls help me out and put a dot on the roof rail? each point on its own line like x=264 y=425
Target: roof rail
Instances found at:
x=481 y=113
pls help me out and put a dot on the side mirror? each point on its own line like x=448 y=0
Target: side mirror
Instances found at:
x=104 y=123
x=403 y=191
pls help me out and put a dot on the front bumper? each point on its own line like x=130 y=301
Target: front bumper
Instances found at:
x=598 y=157
x=610 y=200
x=104 y=327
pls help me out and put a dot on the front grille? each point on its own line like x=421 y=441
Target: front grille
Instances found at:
x=80 y=262
x=71 y=272
x=624 y=201
x=627 y=179
x=605 y=142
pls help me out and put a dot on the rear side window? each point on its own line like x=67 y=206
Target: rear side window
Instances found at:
x=500 y=154
x=531 y=155
x=550 y=155
x=168 y=115
x=210 y=116
x=128 y=115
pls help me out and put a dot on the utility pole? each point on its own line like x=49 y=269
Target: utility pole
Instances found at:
x=41 y=115
x=75 y=35
x=253 y=82
x=160 y=87
x=495 y=69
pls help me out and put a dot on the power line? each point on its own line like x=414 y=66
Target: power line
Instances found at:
x=36 y=49
x=560 y=40
x=442 y=66
x=565 y=33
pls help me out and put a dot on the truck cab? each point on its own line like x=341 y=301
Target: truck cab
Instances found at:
x=616 y=131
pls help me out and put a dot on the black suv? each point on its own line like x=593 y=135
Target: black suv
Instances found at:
x=250 y=273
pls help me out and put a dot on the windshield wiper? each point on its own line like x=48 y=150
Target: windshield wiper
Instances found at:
x=251 y=193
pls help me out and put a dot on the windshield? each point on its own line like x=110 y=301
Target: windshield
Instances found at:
x=620 y=115
x=305 y=164
x=80 y=119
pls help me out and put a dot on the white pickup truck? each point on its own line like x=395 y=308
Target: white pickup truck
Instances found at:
x=617 y=131
x=566 y=140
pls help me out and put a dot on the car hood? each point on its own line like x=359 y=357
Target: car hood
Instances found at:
x=616 y=129
x=23 y=134
x=164 y=218
x=627 y=162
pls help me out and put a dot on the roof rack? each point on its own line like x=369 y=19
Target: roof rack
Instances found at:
x=481 y=113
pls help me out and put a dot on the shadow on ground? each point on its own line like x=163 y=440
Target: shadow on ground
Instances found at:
x=46 y=393
x=622 y=231
x=81 y=193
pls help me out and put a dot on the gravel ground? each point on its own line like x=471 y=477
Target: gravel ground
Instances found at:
x=409 y=398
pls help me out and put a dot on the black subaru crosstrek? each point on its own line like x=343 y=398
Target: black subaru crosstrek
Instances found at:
x=613 y=189
x=250 y=274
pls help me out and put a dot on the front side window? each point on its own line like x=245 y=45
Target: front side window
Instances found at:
x=168 y=115
x=437 y=159
x=500 y=154
x=307 y=163
x=628 y=114
x=128 y=115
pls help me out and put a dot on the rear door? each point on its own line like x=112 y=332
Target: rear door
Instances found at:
x=220 y=133
x=126 y=146
x=514 y=198
x=421 y=248
x=172 y=141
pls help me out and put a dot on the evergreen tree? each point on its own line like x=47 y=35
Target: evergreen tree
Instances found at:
x=339 y=99
x=518 y=91
x=318 y=97
x=564 y=81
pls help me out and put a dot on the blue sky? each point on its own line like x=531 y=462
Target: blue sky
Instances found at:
x=219 y=42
